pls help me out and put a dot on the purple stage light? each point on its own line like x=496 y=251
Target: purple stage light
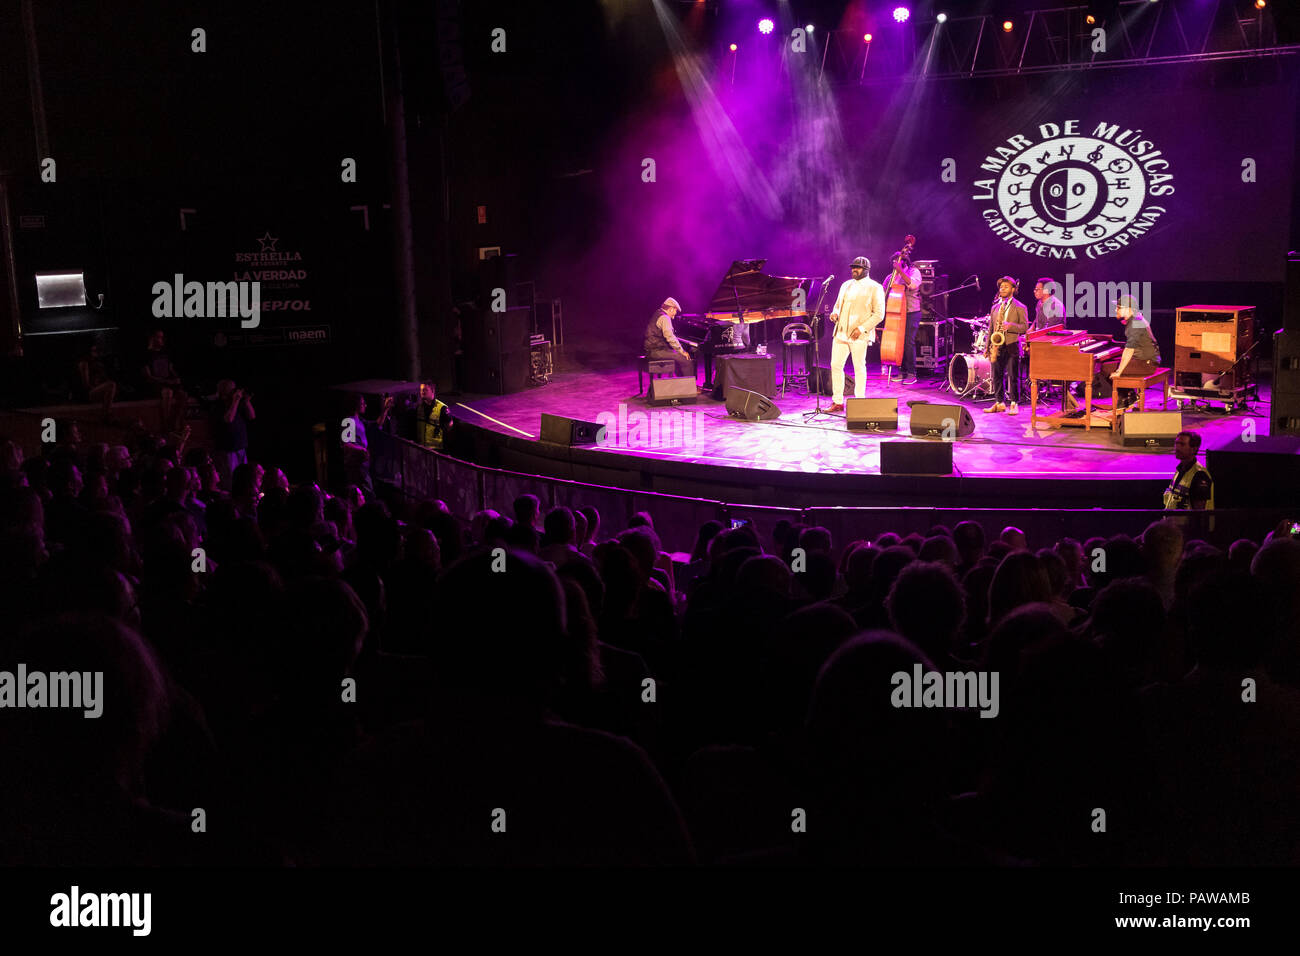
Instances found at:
x=766 y=26
x=901 y=14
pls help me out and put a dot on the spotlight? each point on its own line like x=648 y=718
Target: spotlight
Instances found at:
x=901 y=14
x=1006 y=26
x=866 y=38
x=733 y=48
x=1259 y=4
x=942 y=18
x=766 y=26
x=809 y=28
x=1091 y=19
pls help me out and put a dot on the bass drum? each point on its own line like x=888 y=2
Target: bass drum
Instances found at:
x=970 y=372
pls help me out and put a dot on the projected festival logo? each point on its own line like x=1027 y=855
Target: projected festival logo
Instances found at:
x=1066 y=194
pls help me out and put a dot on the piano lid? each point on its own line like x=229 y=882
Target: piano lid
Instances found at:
x=749 y=294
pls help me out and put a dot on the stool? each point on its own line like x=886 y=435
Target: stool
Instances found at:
x=1140 y=382
x=795 y=339
x=653 y=367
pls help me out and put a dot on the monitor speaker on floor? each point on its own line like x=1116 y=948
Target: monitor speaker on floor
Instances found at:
x=1151 y=429
x=751 y=406
x=571 y=431
x=935 y=420
x=672 y=391
x=907 y=457
x=871 y=414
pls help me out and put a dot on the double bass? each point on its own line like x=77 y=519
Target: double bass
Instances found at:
x=892 y=340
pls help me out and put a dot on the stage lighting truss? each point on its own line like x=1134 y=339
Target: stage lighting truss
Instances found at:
x=1135 y=33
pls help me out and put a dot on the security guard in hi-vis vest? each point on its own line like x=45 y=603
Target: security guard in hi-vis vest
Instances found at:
x=433 y=421
x=1192 y=488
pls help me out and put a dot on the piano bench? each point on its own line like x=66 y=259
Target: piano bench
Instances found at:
x=653 y=367
x=1161 y=376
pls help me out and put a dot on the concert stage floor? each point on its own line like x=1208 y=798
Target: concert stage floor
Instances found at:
x=699 y=450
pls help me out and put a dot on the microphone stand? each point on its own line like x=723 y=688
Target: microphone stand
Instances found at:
x=817 y=362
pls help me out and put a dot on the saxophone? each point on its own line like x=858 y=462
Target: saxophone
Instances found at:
x=997 y=338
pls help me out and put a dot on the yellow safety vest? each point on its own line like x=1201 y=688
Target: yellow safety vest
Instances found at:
x=1178 y=496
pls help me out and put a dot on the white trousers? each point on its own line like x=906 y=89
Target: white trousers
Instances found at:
x=841 y=351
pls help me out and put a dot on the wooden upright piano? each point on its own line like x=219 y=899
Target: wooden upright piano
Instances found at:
x=1061 y=355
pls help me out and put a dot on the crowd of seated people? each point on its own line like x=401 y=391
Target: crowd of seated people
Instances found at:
x=296 y=678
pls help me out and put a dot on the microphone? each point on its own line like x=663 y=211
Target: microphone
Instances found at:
x=977 y=283
x=829 y=279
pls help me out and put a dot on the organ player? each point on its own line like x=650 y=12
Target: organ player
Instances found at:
x=1141 y=354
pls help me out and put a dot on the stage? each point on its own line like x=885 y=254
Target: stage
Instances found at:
x=698 y=450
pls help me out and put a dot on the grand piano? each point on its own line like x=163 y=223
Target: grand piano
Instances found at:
x=746 y=296
x=1059 y=354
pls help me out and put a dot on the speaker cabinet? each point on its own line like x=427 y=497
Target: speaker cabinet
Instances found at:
x=822 y=381
x=1291 y=302
x=1151 y=429
x=932 y=419
x=751 y=406
x=670 y=391
x=498 y=359
x=871 y=414
x=905 y=457
x=1284 y=412
x=571 y=431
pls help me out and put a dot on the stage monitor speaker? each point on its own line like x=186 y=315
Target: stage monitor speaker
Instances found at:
x=751 y=406
x=906 y=457
x=822 y=381
x=871 y=414
x=669 y=391
x=1151 y=429
x=571 y=431
x=1263 y=473
x=941 y=421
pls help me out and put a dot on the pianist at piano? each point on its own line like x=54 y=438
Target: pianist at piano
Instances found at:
x=747 y=298
x=661 y=341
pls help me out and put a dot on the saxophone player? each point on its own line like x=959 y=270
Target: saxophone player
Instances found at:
x=1008 y=320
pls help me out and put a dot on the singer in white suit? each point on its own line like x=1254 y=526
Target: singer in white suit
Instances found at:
x=859 y=308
